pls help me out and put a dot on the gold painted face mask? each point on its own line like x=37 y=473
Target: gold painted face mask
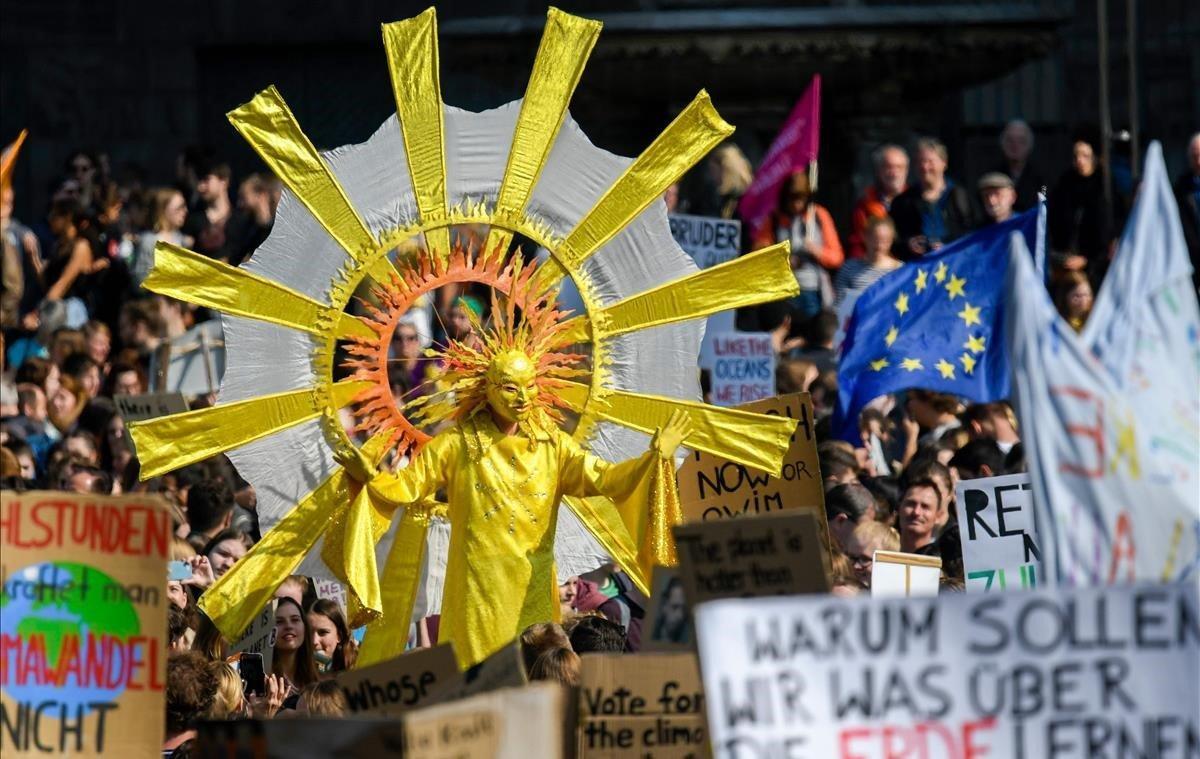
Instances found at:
x=512 y=386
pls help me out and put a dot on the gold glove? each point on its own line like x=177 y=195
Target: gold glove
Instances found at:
x=357 y=465
x=670 y=436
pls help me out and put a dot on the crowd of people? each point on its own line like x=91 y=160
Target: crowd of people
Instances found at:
x=79 y=329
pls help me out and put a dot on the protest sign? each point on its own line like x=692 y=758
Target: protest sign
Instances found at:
x=743 y=368
x=644 y=705
x=709 y=241
x=513 y=723
x=503 y=669
x=669 y=619
x=330 y=589
x=999 y=538
x=780 y=554
x=904 y=574
x=1087 y=673
x=711 y=487
x=136 y=408
x=82 y=624
x=397 y=685
x=259 y=637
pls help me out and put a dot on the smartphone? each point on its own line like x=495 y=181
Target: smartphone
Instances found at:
x=179 y=570
x=254 y=679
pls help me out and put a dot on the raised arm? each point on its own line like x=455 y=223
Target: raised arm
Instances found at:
x=627 y=483
x=417 y=482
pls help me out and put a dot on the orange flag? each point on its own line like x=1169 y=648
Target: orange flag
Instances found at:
x=8 y=159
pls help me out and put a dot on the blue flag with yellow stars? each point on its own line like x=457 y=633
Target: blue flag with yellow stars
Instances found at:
x=936 y=324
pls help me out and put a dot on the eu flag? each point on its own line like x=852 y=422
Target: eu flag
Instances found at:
x=937 y=324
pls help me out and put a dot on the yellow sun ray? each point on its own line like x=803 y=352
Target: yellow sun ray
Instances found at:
x=400 y=580
x=602 y=514
x=175 y=441
x=687 y=139
x=268 y=125
x=756 y=440
x=412 y=53
x=189 y=276
x=566 y=44
x=238 y=597
x=706 y=292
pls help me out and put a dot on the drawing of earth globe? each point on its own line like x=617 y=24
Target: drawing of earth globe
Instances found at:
x=49 y=600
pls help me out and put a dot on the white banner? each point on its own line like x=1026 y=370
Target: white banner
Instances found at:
x=1111 y=417
x=1084 y=673
x=996 y=524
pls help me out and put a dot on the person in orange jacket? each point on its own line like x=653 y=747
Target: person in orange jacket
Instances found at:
x=816 y=249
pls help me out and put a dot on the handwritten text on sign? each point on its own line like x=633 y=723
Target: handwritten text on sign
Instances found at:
x=765 y=556
x=711 y=487
x=82 y=624
x=648 y=705
x=999 y=540
x=136 y=408
x=397 y=685
x=743 y=367
x=1088 y=672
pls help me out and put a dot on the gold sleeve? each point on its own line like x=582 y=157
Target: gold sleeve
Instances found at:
x=415 y=485
x=643 y=489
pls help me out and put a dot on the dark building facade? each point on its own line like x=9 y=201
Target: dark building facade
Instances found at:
x=138 y=80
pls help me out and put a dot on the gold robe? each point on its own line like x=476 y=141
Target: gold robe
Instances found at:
x=503 y=493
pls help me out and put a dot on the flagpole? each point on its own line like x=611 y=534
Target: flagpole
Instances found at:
x=1105 y=114
x=1135 y=154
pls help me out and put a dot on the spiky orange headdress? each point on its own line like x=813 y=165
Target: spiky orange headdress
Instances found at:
x=522 y=319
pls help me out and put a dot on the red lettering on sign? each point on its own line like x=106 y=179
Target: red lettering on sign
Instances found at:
x=919 y=741
x=1123 y=547
x=1093 y=432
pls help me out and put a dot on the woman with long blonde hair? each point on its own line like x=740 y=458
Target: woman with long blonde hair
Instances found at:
x=168 y=212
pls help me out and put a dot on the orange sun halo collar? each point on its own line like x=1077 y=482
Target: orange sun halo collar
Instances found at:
x=523 y=319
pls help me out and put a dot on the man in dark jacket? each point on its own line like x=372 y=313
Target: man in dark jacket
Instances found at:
x=935 y=210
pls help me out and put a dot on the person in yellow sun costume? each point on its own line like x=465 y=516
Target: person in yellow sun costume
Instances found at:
x=559 y=430
x=504 y=468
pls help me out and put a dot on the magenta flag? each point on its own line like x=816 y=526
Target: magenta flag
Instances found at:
x=794 y=149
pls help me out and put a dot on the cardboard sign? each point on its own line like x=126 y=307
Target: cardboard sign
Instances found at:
x=395 y=686
x=711 y=487
x=308 y=737
x=330 y=589
x=136 y=408
x=904 y=574
x=999 y=538
x=259 y=637
x=503 y=669
x=514 y=723
x=743 y=368
x=765 y=556
x=669 y=619
x=1082 y=673
x=709 y=241
x=643 y=705
x=83 y=618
